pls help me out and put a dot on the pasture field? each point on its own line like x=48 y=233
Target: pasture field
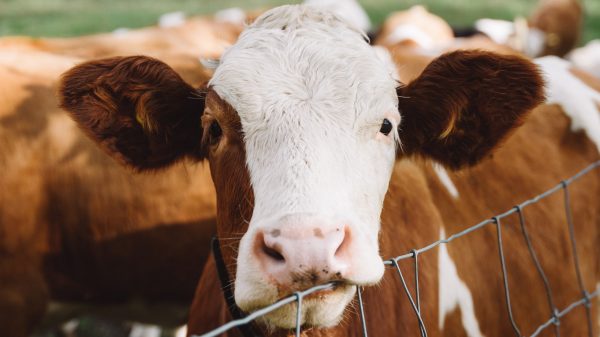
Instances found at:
x=78 y=17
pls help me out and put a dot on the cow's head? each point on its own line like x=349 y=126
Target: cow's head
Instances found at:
x=301 y=124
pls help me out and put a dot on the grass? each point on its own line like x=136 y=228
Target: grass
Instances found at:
x=78 y=17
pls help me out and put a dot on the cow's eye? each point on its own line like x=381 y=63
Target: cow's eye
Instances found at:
x=214 y=133
x=386 y=127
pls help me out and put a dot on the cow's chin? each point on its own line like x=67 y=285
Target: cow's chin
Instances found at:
x=320 y=310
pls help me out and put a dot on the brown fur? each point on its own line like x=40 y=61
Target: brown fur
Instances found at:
x=197 y=37
x=562 y=21
x=464 y=103
x=155 y=113
x=74 y=225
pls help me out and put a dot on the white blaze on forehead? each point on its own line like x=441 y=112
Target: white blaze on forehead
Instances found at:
x=306 y=86
x=579 y=101
x=454 y=293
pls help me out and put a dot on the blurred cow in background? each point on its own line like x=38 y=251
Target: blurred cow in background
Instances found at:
x=75 y=226
x=554 y=28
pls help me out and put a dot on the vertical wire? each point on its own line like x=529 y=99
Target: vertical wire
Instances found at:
x=412 y=303
x=505 y=276
x=417 y=292
x=298 y=313
x=540 y=270
x=362 y=311
x=585 y=294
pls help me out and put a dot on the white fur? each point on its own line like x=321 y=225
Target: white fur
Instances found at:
x=454 y=293
x=517 y=35
x=444 y=178
x=311 y=95
x=121 y=31
x=181 y=331
x=233 y=15
x=69 y=328
x=587 y=58
x=498 y=30
x=174 y=19
x=349 y=10
x=408 y=32
x=579 y=101
x=144 y=330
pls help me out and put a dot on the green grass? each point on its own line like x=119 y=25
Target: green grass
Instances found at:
x=78 y=17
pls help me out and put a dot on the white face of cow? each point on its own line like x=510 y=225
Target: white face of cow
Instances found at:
x=316 y=104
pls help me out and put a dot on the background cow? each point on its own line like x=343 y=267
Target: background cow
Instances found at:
x=74 y=226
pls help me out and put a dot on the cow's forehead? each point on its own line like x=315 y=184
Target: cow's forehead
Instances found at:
x=297 y=59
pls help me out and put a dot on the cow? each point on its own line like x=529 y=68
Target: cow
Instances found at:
x=112 y=232
x=323 y=163
x=553 y=28
x=195 y=37
x=77 y=227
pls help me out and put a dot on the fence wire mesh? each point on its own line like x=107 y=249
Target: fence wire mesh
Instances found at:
x=555 y=314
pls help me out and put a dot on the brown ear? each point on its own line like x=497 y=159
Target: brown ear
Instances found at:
x=464 y=103
x=136 y=108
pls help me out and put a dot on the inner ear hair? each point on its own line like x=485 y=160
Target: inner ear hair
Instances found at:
x=465 y=103
x=138 y=109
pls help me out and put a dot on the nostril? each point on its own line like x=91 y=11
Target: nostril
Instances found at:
x=344 y=244
x=273 y=251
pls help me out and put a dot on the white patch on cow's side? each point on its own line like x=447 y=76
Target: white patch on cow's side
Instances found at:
x=311 y=95
x=349 y=10
x=587 y=57
x=444 y=178
x=233 y=15
x=454 y=293
x=408 y=32
x=518 y=35
x=579 y=101
x=174 y=19
x=181 y=331
x=499 y=31
x=535 y=42
x=144 y=330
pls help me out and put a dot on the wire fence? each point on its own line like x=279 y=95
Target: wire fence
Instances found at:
x=555 y=313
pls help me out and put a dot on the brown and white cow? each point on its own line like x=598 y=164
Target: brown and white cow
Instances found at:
x=74 y=225
x=303 y=126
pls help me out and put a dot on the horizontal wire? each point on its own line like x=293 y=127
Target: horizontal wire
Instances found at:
x=393 y=261
x=563 y=313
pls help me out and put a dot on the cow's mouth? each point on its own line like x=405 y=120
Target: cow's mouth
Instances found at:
x=320 y=308
x=315 y=291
